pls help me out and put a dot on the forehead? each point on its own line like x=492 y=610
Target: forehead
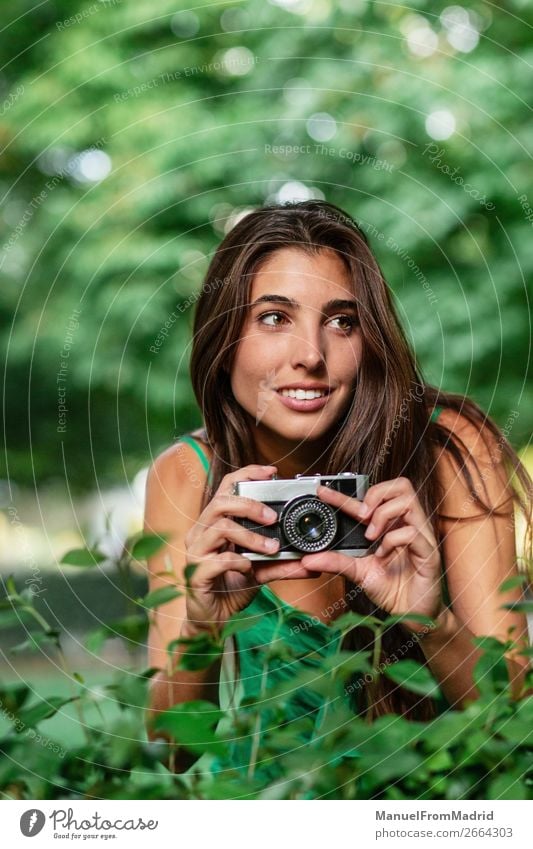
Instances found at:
x=305 y=277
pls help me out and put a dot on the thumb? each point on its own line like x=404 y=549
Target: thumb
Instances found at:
x=359 y=570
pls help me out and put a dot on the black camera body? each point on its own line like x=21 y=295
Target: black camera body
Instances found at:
x=306 y=524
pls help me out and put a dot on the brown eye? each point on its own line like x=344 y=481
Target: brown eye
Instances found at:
x=347 y=321
x=272 y=315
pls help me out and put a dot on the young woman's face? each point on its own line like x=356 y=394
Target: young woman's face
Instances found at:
x=301 y=331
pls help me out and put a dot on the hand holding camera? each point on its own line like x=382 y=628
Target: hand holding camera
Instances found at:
x=305 y=524
x=223 y=582
x=403 y=574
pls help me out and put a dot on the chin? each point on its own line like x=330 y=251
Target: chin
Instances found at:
x=297 y=431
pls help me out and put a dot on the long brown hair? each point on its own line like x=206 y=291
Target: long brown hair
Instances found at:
x=387 y=434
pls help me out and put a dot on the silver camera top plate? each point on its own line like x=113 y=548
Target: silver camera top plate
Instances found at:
x=284 y=489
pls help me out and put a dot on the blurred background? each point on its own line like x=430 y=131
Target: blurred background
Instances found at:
x=135 y=134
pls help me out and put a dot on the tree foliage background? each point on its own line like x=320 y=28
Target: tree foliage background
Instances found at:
x=134 y=132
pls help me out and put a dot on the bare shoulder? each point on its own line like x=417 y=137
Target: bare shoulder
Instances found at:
x=477 y=438
x=175 y=483
x=481 y=458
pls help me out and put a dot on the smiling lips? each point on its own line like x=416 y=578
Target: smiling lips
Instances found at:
x=303 y=394
x=304 y=400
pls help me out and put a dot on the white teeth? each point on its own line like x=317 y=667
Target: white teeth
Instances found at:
x=303 y=394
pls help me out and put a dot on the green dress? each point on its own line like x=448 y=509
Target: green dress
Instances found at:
x=309 y=639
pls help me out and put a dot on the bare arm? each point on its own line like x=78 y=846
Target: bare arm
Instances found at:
x=223 y=582
x=173 y=503
x=479 y=555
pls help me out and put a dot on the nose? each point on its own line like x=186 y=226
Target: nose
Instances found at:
x=308 y=349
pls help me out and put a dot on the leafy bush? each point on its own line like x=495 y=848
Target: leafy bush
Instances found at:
x=483 y=752
x=192 y=142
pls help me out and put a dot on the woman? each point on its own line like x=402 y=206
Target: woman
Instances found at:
x=299 y=365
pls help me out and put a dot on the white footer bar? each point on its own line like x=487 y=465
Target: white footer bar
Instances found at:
x=240 y=824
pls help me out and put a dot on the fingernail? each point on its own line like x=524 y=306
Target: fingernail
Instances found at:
x=269 y=514
x=271 y=544
x=370 y=531
x=364 y=510
x=269 y=468
x=379 y=551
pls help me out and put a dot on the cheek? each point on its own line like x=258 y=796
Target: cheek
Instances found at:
x=253 y=363
x=257 y=355
x=344 y=364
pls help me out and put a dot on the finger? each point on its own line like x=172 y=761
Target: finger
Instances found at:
x=213 y=566
x=362 y=571
x=404 y=506
x=351 y=506
x=253 y=472
x=408 y=536
x=234 y=505
x=386 y=490
x=331 y=561
x=238 y=505
x=226 y=530
x=223 y=505
x=281 y=571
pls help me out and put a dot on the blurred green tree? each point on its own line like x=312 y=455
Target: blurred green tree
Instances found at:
x=134 y=133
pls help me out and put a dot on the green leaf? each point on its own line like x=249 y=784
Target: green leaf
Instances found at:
x=389 y=766
x=516 y=731
x=13 y=618
x=36 y=641
x=12 y=601
x=129 y=689
x=199 y=651
x=412 y=676
x=347 y=662
x=13 y=696
x=148 y=545
x=351 y=620
x=83 y=557
x=43 y=709
x=493 y=645
x=188 y=572
x=203 y=713
x=440 y=761
x=192 y=724
x=130 y=628
x=491 y=673
x=519 y=606
x=158 y=597
x=11 y=586
x=527 y=651
x=509 y=785
x=512 y=583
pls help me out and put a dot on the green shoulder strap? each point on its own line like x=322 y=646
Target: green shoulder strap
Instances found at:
x=201 y=453
x=435 y=414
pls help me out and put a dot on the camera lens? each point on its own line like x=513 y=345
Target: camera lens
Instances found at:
x=308 y=524
x=311 y=526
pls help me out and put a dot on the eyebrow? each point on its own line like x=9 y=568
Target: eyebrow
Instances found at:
x=337 y=304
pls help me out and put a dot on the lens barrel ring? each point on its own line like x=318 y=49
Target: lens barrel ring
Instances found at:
x=299 y=509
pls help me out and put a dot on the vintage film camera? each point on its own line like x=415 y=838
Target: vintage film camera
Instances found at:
x=306 y=524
